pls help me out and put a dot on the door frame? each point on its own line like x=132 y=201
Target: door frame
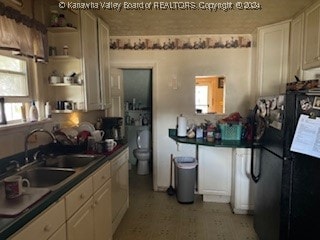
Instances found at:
x=152 y=66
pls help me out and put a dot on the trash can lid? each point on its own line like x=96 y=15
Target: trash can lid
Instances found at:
x=185 y=162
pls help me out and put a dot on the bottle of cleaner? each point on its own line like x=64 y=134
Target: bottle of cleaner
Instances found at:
x=47 y=110
x=33 y=112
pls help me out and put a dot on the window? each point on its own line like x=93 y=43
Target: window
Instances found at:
x=209 y=94
x=13 y=77
x=14 y=85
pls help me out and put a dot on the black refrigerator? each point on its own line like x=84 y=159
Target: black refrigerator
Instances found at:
x=287 y=183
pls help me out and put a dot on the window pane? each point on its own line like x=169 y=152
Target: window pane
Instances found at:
x=13 y=111
x=12 y=64
x=202 y=98
x=13 y=85
x=13 y=77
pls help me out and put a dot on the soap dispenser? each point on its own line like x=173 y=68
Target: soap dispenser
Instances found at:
x=33 y=112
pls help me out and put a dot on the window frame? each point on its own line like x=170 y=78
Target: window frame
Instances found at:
x=29 y=84
x=18 y=99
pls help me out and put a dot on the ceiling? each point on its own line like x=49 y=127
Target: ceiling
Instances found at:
x=184 y=22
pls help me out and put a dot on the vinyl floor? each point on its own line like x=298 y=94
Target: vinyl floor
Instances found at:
x=157 y=216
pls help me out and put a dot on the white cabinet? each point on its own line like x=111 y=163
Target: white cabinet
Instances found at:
x=242 y=195
x=104 y=64
x=44 y=226
x=81 y=225
x=311 y=57
x=296 y=48
x=116 y=86
x=85 y=212
x=272 y=56
x=102 y=203
x=88 y=207
x=214 y=173
x=120 y=187
x=102 y=213
x=90 y=64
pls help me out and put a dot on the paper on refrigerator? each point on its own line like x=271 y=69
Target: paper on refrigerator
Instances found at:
x=306 y=139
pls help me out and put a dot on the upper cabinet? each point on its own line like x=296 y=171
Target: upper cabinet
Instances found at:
x=90 y=60
x=272 y=58
x=311 y=56
x=296 y=47
x=104 y=63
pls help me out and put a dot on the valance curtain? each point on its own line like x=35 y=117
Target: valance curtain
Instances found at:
x=22 y=34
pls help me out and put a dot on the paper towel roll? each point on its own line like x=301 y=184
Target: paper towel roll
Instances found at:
x=182 y=126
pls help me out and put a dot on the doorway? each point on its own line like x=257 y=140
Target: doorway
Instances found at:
x=137 y=97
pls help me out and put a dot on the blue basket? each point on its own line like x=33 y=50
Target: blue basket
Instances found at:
x=230 y=131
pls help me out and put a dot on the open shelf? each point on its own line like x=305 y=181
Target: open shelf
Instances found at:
x=62 y=29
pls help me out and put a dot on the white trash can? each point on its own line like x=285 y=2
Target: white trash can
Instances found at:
x=185 y=178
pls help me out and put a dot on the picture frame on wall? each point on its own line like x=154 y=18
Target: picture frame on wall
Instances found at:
x=220 y=82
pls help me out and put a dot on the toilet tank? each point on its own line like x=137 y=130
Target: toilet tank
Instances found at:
x=143 y=138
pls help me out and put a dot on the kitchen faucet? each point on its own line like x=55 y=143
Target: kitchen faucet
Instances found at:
x=54 y=140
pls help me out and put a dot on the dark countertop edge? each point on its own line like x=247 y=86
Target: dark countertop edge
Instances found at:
x=18 y=222
x=202 y=142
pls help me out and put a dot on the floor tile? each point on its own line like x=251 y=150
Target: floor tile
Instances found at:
x=158 y=216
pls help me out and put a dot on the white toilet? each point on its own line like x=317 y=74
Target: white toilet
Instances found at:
x=143 y=152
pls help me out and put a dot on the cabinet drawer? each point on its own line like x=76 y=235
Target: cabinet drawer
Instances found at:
x=77 y=197
x=101 y=176
x=45 y=225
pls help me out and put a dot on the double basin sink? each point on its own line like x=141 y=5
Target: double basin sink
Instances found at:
x=53 y=172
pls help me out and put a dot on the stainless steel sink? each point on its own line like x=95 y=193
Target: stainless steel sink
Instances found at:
x=71 y=161
x=46 y=177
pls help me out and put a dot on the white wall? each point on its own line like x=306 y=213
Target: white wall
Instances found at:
x=168 y=103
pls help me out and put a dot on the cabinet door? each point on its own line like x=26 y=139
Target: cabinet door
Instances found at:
x=273 y=50
x=116 y=81
x=45 y=225
x=89 y=37
x=214 y=173
x=104 y=65
x=311 y=33
x=60 y=234
x=102 y=213
x=81 y=225
x=119 y=188
x=296 y=47
x=242 y=199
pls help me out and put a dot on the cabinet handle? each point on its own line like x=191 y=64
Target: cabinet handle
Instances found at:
x=47 y=228
x=82 y=195
x=318 y=58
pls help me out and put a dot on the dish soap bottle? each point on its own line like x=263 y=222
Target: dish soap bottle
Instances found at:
x=47 y=110
x=33 y=112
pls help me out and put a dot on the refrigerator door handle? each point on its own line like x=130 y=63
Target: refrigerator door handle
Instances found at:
x=254 y=177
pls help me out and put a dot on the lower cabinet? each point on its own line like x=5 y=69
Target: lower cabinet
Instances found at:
x=242 y=194
x=83 y=213
x=45 y=226
x=81 y=225
x=214 y=173
x=92 y=219
x=60 y=234
x=119 y=188
x=102 y=213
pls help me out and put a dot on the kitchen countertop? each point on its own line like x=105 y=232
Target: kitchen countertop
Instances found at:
x=215 y=143
x=9 y=226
